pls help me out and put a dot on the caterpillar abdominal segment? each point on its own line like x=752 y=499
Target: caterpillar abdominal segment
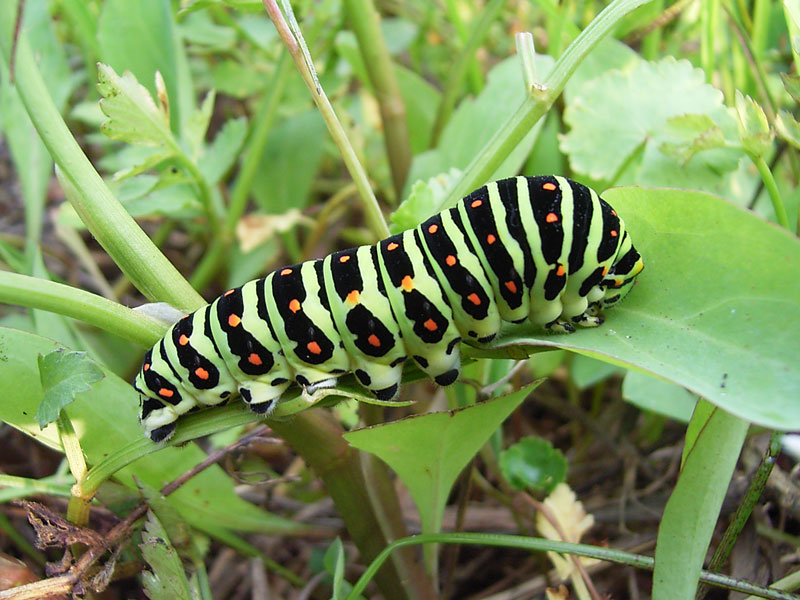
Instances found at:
x=545 y=250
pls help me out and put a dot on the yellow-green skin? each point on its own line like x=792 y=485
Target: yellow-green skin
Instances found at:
x=544 y=250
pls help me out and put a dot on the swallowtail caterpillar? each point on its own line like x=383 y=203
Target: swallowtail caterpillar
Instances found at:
x=544 y=250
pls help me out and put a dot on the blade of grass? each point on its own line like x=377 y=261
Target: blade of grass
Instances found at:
x=365 y=22
x=372 y=211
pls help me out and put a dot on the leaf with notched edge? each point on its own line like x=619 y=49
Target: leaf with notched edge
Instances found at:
x=63 y=374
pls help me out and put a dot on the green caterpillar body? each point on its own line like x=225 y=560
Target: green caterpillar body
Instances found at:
x=541 y=249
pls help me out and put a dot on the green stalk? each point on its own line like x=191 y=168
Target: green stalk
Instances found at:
x=319 y=441
x=709 y=16
x=772 y=189
x=262 y=125
x=32 y=292
x=365 y=22
x=78 y=508
x=757 y=484
x=538 y=102
x=474 y=75
x=456 y=73
x=102 y=213
x=545 y=545
x=372 y=211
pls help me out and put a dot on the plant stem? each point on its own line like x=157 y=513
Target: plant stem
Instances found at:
x=365 y=22
x=772 y=189
x=757 y=484
x=372 y=211
x=544 y=545
x=102 y=213
x=32 y=292
x=262 y=125
x=521 y=121
x=459 y=68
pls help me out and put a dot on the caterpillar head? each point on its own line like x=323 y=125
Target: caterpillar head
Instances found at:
x=157 y=397
x=621 y=277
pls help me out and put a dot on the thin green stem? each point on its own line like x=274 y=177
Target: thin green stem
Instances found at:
x=510 y=134
x=262 y=125
x=474 y=75
x=365 y=22
x=757 y=484
x=102 y=213
x=544 y=545
x=78 y=508
x=31 y=292
x=459 y=68
x=709 y=16
x=772 y=189
x=372 y=211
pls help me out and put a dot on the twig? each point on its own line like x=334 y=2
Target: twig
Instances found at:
x=64 y=584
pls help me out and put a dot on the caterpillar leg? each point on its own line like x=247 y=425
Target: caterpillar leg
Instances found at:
x=560 y=326
x=263 y=397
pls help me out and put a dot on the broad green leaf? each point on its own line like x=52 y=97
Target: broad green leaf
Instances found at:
x=105 y=419
x=754 y=130
x=63 y=374
x=133 y=116
x=716 y=309
x=224 y=150
x=476 y=120
x=533 y=464
x=586 y=371
x=693 y=508
x=421 y=100
x=249 y=5
x=291 y=157
x=655 y=395
x=166 y=579
x=609 y=55
x=619 y=121
x=429 y=451
x=139 y=37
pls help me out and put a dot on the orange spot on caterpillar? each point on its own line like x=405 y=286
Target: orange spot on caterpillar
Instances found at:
x=433 y=229
x=450 y=260
x=183 y=340
x=373 y=340
x=353 y=297
x=614 y=233
x=549 y=186
x=294 y=305
x=407 y=283
x=201 y=373
x=146 y=367
x=391 y=246
x=430 y=325
x=254 y=359
x=474 y=298
x=314 y=348
x=551 y=217
x=344 y=259
x=164 y=392
x=613 y=212
x=491 y=239
x=511 y=286
x=476 y=203
x=286 y=272
x=560 y=271
x=605 y=271
x=234 y=320
x=228 y=293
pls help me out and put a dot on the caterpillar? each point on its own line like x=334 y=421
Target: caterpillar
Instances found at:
x=544 y=249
